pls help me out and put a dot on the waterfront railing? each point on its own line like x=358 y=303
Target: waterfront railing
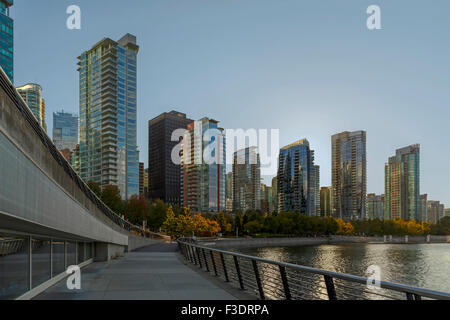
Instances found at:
x=274 y=280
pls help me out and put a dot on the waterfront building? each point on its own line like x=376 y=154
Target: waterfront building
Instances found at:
x=141 y=179
x=433 y=211
x=296 y=174
x=163 y=173
x=402 y=184
x=325 y=202
x=203 y=166
x=246 y=180
x=316 y=191
x=65 y=130
x=266 y=199
x=349 y=175
x=274 y=196
x=375 y=206
x=7 y=39
x=446 y=212
x=423 y=207
x=31 y=93
x=108 y=108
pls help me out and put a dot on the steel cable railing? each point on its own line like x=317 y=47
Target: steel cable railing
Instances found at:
x=275 y=280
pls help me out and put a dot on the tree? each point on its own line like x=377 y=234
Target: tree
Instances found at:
x=156 y=214
x=111 y=197
x=95 y=187
x=170 y=224
x=136 y=210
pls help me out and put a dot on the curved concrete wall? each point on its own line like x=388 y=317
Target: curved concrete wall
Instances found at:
x=35 y=189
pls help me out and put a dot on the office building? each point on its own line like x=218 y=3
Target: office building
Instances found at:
x=423 y=207
x=375 y=206
x=108 y=106
x=31 y=93
x=433 y=211
x=203 y=167
x=274 y=196
x=246 y=180
x=325 y=202
x=65 y=130
x=316 y=191
x=296 y=175
x=402 y=184
x=163 y=173
x=349 y=175
x=7 y=39
x=141 y=179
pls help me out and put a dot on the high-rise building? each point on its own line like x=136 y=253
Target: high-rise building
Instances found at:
x=375 y=206
x=433 y=211
x=274 y=196
x=446 y=212
x=246 y=180
x=316 y=191
x=296 y=174
x=349 y=175
x=141 y=179
x=402 y=184
x=7 y=39
x=266 y=198
x=423 y=207
x=164 y=174
x=229 y=185
x=325 y=202
x=441 y=211
x=146 y=183
x=31 y=93
x=75 y=158
x=108 y=105
x=203 y=164
x=65 y=130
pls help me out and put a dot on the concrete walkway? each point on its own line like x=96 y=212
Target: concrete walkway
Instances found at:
x=150 y=273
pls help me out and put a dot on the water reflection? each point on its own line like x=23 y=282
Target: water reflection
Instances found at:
x=420 y=265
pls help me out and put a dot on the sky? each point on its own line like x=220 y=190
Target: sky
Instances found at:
x=309 y=68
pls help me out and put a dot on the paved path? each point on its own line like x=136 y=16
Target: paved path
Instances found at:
x=151 y=273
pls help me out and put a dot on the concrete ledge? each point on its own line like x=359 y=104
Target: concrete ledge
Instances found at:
x=108 y=251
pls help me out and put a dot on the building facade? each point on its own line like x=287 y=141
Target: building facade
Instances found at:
x=31 y=93
x=402 y=184
x=108 y=106
x=316 y=191
x=65 y=130
x=141 y=179
x=325 y=202
x=7 y=39
x=375 y=206
x=296 y=175
x=203 y=165
x=246 y=180
x=266 y=199
x=433 y=211
x=446 y=213
x=164 y=174
x=274 y=196
x=423 y=207
x=349 y=175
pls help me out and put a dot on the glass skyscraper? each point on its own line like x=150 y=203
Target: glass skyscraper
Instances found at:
x=108 y=94
x=65 y=130
x=349 y=175
x=402 y=184
x=32 y=94
x=7 y=39
x=203 y=180
x=246 y=180
x=296 y=179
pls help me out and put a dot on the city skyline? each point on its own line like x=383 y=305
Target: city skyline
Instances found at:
x=292 y=93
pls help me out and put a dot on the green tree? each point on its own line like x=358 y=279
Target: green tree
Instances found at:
x=95 y=187
x=111 y=197
x=136 y=210
x=156 y=215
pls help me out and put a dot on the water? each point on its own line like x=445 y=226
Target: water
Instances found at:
x=418 y=265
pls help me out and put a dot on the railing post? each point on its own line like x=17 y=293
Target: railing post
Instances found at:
x=213 y=263
x=206 y=261
x=193 y=254
x=224 y=266
x=238 y=271
x=199 y=258
x=258 y=280
x=287 y=291
x=330 y=288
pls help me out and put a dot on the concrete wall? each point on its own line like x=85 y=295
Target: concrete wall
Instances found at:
x=136 y=242
x=36 y=194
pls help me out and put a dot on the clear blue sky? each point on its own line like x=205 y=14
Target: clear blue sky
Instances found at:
x=310 y=68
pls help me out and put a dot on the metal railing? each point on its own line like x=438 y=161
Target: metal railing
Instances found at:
x=275 y=280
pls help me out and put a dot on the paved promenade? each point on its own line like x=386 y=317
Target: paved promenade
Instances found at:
x=151 y=273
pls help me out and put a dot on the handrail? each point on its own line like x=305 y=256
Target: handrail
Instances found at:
x=23 y=108
x=189 y=247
